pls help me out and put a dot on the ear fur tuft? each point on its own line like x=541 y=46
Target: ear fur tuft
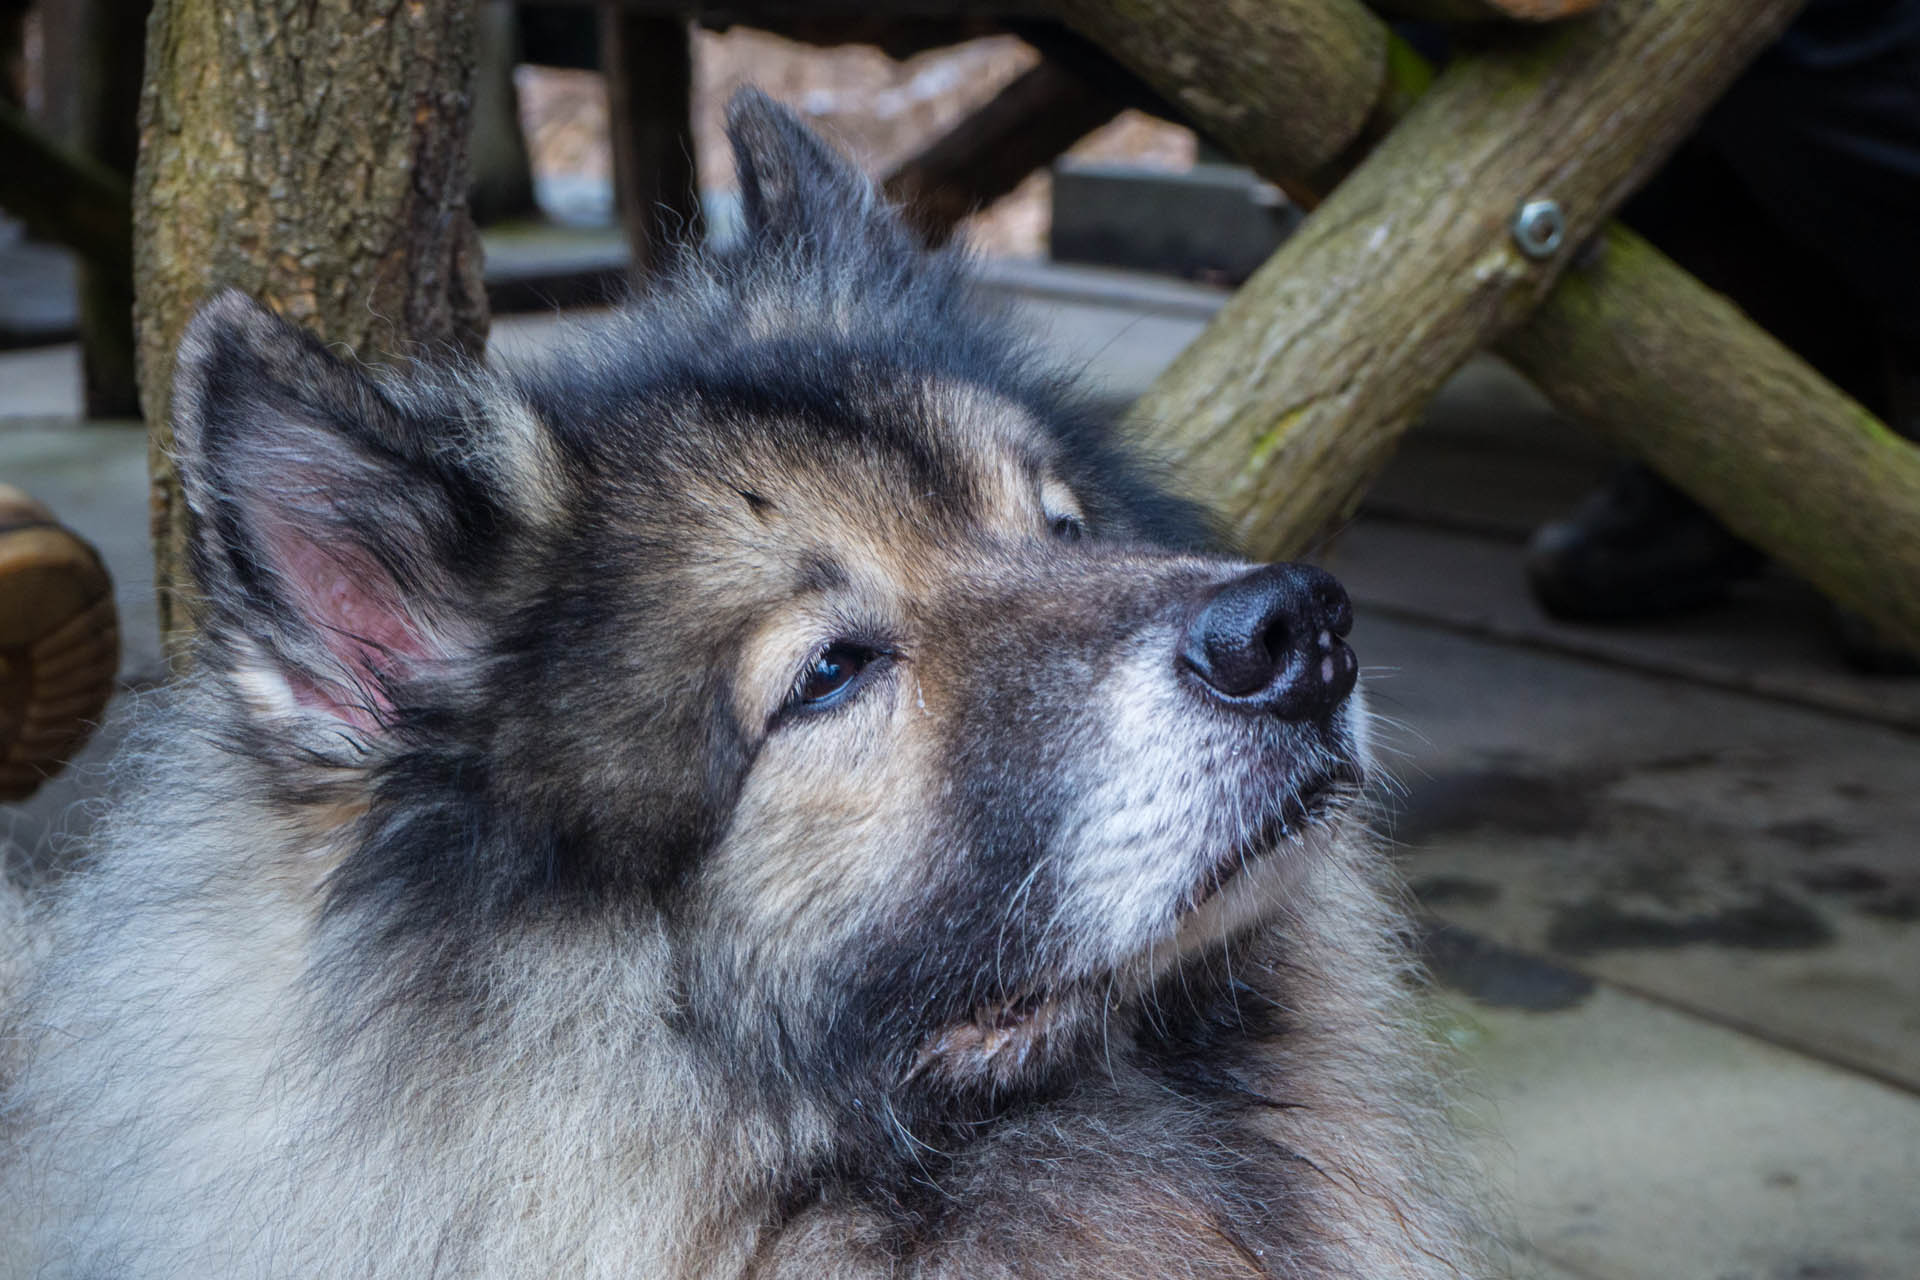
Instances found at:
x=796 y=191
x=336 y=524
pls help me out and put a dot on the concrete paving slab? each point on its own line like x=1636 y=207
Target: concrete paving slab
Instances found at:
x=1755 y=863
x=38 y=298
x=1640 y=1144
x=40 y=382
x=1770 y=637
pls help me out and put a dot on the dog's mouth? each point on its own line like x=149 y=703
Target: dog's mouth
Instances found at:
x=1305 y=806
x=1001 y=1037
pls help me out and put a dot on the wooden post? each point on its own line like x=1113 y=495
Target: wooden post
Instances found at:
x=648 y=62
x=502 y=169
x=314 y=154
x=100 y=89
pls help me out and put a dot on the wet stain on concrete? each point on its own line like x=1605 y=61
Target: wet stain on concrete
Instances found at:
x=1518 y=803
x=1440 y=891
x=1771 y=921
x=1811 y=834
x=1841 y=877
x=1902 y=905
x=1823 y=1269
x=1865 y=890
x=1499 y=976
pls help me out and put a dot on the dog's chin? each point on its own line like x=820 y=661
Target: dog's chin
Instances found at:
x=1007 y=1041
x=1250 y=882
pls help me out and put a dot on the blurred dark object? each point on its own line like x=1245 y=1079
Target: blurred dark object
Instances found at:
x=648 y=65
x=95 y=53
x=1214 y=222
x=502 y=169
x=13 y=52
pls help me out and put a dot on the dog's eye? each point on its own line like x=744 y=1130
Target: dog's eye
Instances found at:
x=830 y=674
x=1067 y=528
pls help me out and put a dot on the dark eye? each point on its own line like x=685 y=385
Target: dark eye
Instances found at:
x=830 y=674
x=1067 y=528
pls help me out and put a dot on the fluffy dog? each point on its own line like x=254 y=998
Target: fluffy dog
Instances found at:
x=772 y=791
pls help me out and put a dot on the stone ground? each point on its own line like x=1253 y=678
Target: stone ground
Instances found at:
x=1671 y=875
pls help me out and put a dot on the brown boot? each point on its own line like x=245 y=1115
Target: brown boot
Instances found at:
x=59 y=643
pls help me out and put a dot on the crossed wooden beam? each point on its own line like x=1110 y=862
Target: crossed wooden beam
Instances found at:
x=1472 y=211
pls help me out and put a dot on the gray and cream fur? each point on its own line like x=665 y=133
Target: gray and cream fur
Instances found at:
x=726 y=801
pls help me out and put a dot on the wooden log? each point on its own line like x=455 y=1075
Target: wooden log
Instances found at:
x=1675 y=374
x=1294 y=397
x=1695 y=448
x=1027 y=125
x=1290 y=86
x=313 y=154
x=648 y=63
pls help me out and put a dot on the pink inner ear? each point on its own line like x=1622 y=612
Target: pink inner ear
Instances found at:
x=356 y=609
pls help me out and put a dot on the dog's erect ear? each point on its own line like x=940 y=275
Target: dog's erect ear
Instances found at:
x=338 y=527
x=797 y=191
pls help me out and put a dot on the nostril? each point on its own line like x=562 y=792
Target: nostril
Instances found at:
x=1277 y=640
x=1334 y=607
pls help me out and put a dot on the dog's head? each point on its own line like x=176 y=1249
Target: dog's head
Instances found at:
x=797 y=619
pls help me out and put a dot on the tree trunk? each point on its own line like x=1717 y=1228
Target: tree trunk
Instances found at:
x=1675 y=374
x=312 y=153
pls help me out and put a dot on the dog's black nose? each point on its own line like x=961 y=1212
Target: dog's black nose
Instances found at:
x=1272 y=642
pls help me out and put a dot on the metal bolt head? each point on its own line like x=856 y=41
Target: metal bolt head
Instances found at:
x=1539 y=228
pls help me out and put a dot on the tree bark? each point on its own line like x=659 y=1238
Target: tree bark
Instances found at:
x=648 y=62
x=1675 y=374
x=1026 y=126
x=1485 y=10
x=312 y=153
